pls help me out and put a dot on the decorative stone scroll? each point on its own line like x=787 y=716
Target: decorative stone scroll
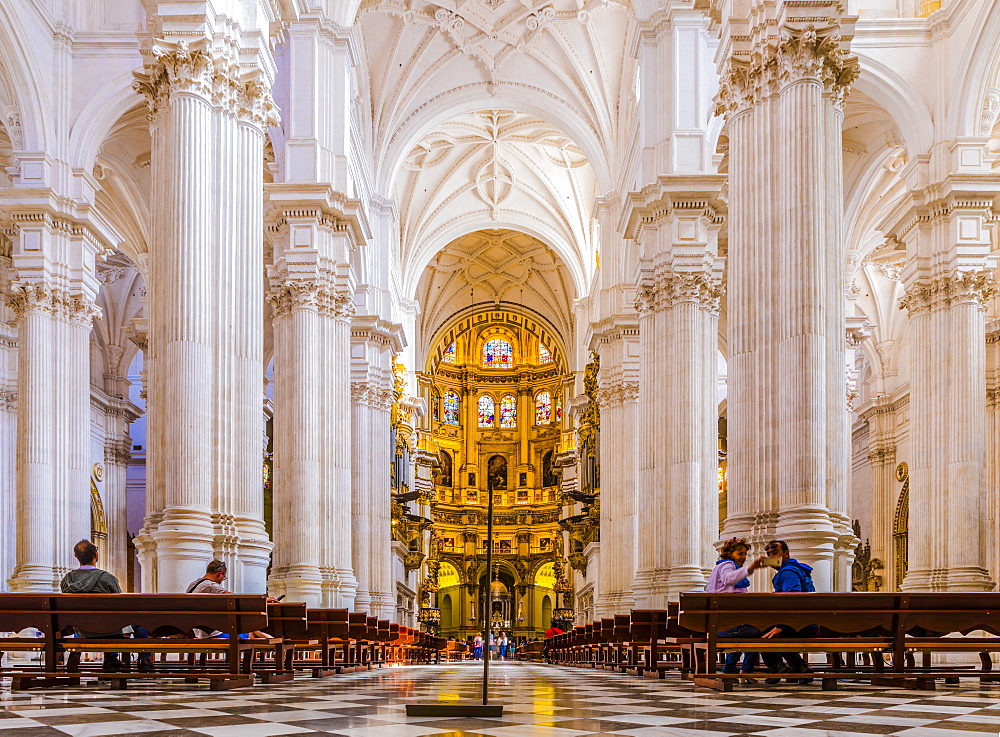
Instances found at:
x=796 y=55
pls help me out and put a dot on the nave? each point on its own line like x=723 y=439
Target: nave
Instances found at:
x=540 y=701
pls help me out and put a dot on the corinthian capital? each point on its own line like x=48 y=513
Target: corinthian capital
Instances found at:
x=942 y=291
x=255 y=105
x=43 y=299
x=799 y=53
x=176 y=67
x=669 y=288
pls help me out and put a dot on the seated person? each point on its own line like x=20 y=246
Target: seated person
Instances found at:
x=89 y=579
x=211 y=583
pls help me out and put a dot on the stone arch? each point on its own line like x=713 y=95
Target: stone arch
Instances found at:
x=22 y=76
x=110 y=103
x=901 y=101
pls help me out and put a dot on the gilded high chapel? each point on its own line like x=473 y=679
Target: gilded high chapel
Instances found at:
x=309 y=281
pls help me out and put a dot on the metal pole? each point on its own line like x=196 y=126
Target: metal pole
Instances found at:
x=489 y=592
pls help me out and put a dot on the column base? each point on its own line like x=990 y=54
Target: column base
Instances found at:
x=651 y=590
x=35 y=579
x=941 y=580
x=180 y=547
x=339 y=588
x=614 y=602
x=298 y=584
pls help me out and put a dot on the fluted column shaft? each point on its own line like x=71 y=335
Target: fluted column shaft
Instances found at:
x=678 y=515
x=207 y=118
x=53 y=412
x=619 y=527
x=298 y=452
x=8 y=453
x=181 y=327
x=948 y=469
x=370 y=504
x=787 y=423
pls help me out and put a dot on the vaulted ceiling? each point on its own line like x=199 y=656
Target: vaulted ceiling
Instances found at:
x=496 y=266
x=501 y=168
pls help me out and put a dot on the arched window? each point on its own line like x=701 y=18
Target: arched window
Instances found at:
x=487 y=411
x=508 y=411
x=449 y=354
x=543 y=408
x=498 y=353
x=450 y=408
x=543 y=354
x=436 y=407
x=558 y=409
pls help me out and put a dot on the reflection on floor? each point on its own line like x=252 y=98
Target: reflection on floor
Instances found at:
x=541 y=701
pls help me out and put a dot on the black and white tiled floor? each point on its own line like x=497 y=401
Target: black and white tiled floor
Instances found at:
x=540 y=701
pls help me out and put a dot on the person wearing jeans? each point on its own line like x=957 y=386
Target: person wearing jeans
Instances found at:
x=731 y=575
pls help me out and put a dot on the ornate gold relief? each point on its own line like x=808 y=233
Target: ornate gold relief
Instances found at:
x=901 y=524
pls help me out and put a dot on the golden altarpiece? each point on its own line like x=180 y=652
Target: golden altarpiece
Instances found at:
x=495 y=385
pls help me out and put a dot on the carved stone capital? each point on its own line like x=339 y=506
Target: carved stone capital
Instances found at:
x=198 y=69
x=41 y=299
x=8 y=400
x=318 y=296
x=799 y=54
x=882 y=456
x=668 y=288
x=943 y=291
x=618 y=394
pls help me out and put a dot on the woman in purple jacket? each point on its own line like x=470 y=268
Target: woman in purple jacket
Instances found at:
x=731 y=575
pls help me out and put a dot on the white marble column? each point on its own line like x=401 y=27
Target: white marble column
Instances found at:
x=787 y=425
x=204 y=497
x=53 y=413
x=948 y=465
x=8 y=444
x=881 y=418
x=675 y=223
x=993 y=442
x=617 y=396
x=371 y=402
x=310 y=298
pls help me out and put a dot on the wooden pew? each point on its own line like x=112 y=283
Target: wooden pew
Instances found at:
x=287 y=622
x=853 y=623
x=161 y=614
x=19 y=612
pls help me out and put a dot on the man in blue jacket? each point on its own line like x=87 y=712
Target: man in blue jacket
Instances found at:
x=792 y=576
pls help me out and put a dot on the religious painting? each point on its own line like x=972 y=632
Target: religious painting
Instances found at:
x=436 y=408
x=498 y=353
x=448 y=543
x=450 y=408
x=506 y=547
x=472 y=482
x=543 y=408
x=487 y=411
x=497 y=472
x=545 y=544
x=508 y=411
x=549 y=475
x=444 y=474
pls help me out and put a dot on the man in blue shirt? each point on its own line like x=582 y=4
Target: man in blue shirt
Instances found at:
x=792 y=576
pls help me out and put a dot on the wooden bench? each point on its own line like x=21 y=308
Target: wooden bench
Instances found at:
x=899 y=624
x=176 y=615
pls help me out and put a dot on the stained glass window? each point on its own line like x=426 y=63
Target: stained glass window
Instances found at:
x=558 y=409
x=543 y=354
x=543 y=408
x=508 y=411
x=498 y=353
x=436 y=407
x=487 y=411
x=449 y=354
x=450 y=408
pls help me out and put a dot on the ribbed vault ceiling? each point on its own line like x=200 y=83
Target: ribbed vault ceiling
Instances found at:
x=496 y=266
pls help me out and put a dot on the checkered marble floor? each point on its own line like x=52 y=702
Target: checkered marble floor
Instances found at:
x=540 y=701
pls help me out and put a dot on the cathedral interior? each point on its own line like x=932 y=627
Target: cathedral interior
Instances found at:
x=310 y=286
